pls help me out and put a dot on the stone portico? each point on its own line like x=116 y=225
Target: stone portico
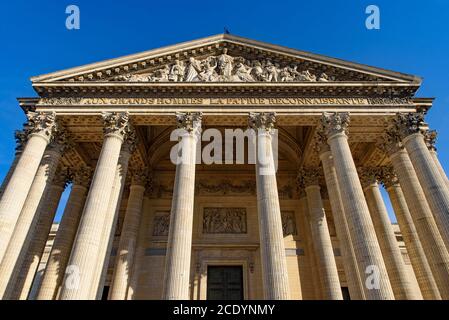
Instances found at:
x=138 y=226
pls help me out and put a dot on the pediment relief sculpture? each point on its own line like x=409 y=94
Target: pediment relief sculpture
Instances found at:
x=227 y=68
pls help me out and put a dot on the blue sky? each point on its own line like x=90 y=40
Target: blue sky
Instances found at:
x=413 y=38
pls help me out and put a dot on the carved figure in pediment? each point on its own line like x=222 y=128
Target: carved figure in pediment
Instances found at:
x=323 y=77
x=193 y=70
x=257 y=71
x=241 y=71
x=287 y=74
x=306 y=76
x=208 y=72
x=225 y=62
x=161 y=75
x=177 y=71
x=271 y=72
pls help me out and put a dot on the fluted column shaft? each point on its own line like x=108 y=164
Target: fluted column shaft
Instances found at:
x=179 y=246
x=272 y=250
x=78 y=281
x=139 y=252
x=421 y=267
x=26 y=224
x=433 y=183
x=62 y=245
x=433 y=245
x=434 y=155
x=125 y=254
x=309 y=251
x=16 y=191
x=355 y=285
x=20 y=136
x=364 y=240
x=110 y=224
x=323 y=245
x=31 y=262
x=399 y=278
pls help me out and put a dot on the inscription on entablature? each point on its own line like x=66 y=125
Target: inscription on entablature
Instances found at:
x=224 y=220
x=256 y=101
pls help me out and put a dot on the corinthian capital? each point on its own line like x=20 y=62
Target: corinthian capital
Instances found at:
x=430 y=137
x=262 y=120
x=368 y=175
x=21 y=137
x=62 y=177
x=116 y=123
x=189 y=121
x=131 y=140
x=42 y=123
x=82 y=176
x=409 y=123
x=139 y=176
x=391 y=141
x=309 y=177
x=388 y=177
x=60 y=140
x=320 y=141
x=335 y=122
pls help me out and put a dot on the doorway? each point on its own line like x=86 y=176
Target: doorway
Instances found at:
x=224 y=283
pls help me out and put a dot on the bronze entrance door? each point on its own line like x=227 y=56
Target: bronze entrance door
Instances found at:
x=225 y=283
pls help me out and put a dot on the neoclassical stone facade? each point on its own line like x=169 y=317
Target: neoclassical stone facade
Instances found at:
x=306 y=222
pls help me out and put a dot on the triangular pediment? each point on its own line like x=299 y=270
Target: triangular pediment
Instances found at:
x=225 y=58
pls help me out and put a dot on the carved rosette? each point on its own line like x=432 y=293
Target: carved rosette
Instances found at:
x=335 y=123
x=42 y=123
x=430 y=138
x=116 y=123
x=189 y=121
x=409 y=123
x=309 y=177
x=263 y=121
x=388 y=177
x=368 y=175
x=82 y=176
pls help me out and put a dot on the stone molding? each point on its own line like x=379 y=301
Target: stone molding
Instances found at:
x=262 y=121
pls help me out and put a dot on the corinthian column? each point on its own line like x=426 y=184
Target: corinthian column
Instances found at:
x=399 y=278
x=62 y=244
x=26 y=224
x=21 y=138
x=125 y=254
x=39 y=129
x=46 y=213
x=179 y=246
x=272 y=251
x=366 y=248
x=81 y=268
x=320 y=236
x=430 y=137
x=431 y=240
x=355 y=285
x=112 y=215
x=434 y=185
x=421 y=267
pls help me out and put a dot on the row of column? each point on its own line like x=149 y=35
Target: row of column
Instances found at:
x=367 y=240
x=78 y=262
